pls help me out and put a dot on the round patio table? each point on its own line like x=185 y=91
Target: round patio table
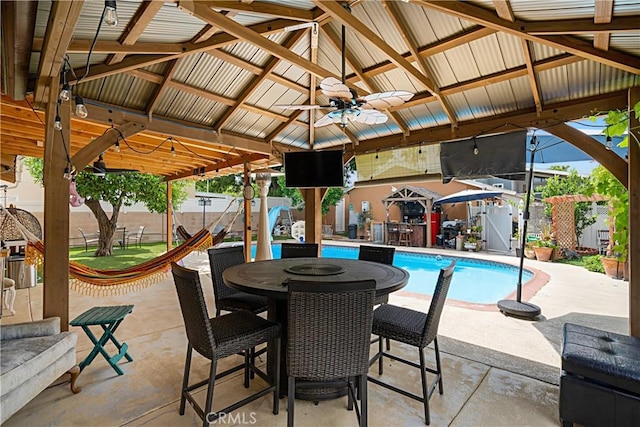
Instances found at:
x=269 y=278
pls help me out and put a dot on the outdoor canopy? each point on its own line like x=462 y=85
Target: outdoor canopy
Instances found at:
x=468 y=196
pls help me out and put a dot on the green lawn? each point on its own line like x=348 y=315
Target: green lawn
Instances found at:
x=121 y=258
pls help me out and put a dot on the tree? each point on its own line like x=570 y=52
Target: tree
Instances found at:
x=228 y=184
x=331 y=197
x=571 y=184
x=117 y=190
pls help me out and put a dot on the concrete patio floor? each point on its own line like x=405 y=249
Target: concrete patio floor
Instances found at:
x=498 y=370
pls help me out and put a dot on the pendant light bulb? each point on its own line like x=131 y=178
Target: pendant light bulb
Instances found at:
x=609 y=143
x=65 y=93
x=116 y=147
x=57 y=124
x=173 y=150
x=110 y=14
x=81 y=110
x=475 y=148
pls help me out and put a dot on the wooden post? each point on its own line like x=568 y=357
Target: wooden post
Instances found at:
x=56 y=210
x=169 y=217
x=634 y=214
x=247 y=214
x=313 y=215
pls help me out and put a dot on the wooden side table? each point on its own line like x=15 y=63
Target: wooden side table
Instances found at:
x=108 y=318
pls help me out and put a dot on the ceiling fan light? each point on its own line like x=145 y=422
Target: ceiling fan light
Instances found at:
x=344 y=119
x=81 y=110
x=110 y=14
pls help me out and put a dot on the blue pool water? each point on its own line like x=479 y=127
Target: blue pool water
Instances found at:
x=474 y=281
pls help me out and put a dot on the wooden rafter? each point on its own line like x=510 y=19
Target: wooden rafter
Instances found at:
x=602 y=15
x=503 y=8
x=313 y=80
x=576 y=46
x=143 y=16
x=620 y=24
x=62 y=22
x=257 y=81
x=134 y=62
x=266 y=9
x=203 y=12
x=163 y=87
x=344 y=17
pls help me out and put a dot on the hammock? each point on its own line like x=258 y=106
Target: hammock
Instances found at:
x=89 y=281
x=184 y=234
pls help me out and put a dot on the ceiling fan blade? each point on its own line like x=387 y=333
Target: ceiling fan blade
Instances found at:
x=299 y=107
x=371 y=117
x=385 y=100
x=334 y=88
x=327 y=119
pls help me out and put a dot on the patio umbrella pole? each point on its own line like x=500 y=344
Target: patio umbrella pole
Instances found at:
x=518 y=308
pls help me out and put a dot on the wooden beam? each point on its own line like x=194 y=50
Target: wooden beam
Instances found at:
x=634 y=214
x=56 y=211
x=136 y=26
x=292 y=118
x=18 y=24
x=501 y=123
x=160 y=90
x=113 y=46
x=602 y=15
x=247 y=214
x=203 y=12
x=266 y=9
x=576 y=46
x=440 y=46
x=291 y=41
x=134 y=62
x=313 y=214
x=533 y=80
x=337 y=12
x=503 y=9
x=607 y=158
x=60 y=26
x=90 y=151
x=223 y=163
x=102 y=113
x=619 y=24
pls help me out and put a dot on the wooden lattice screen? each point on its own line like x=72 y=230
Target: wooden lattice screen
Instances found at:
x=563 y=216
x=564 y=226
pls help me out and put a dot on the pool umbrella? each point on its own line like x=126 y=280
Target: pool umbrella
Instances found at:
x=468 y=196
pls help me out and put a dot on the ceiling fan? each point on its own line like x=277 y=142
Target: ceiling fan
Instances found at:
x=345 y=104
x=100 y=168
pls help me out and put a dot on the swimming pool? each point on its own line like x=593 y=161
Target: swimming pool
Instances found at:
x=475 y=281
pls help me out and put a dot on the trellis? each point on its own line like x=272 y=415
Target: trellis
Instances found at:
x=563 y=216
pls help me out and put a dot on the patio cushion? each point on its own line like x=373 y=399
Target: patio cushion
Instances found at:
x=20 y=358
x=601 y=356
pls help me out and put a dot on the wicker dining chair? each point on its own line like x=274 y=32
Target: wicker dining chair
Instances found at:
x=226 y=298
x=417 y=329
x=217 y=338
x=338 y=317
x=383 y=255
x=299 y=250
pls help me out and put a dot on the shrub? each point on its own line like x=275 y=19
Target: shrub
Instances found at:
x=593 y=263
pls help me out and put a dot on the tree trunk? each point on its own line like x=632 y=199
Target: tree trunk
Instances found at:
x=107 y=226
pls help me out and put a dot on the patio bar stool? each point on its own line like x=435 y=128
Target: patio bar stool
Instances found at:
x=417 y=329
x=219 y=337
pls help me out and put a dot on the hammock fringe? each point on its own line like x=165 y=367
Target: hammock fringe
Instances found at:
x=96 y=283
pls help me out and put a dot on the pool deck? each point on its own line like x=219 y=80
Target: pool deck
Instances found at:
x=498 y=370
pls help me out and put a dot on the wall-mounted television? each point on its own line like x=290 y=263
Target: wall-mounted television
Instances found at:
x=311 y=169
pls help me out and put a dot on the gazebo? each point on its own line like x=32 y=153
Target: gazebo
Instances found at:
x=410 y=197
x=201 y=83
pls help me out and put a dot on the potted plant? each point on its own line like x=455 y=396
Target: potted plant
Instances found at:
x=471 y=243
x=615 y=260
x=544 y=249
x=528 y=251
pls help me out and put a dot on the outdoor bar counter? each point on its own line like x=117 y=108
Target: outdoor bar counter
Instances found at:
x=419 y=235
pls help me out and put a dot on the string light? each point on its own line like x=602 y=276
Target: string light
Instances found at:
x=65 y=93
x=110 y=13
x=57 y=124
x=376 y=154
x=475 y=147
x=609 y=143
x=116 y=147
x=420 y=149
x=173 y=149
x=81 y=110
